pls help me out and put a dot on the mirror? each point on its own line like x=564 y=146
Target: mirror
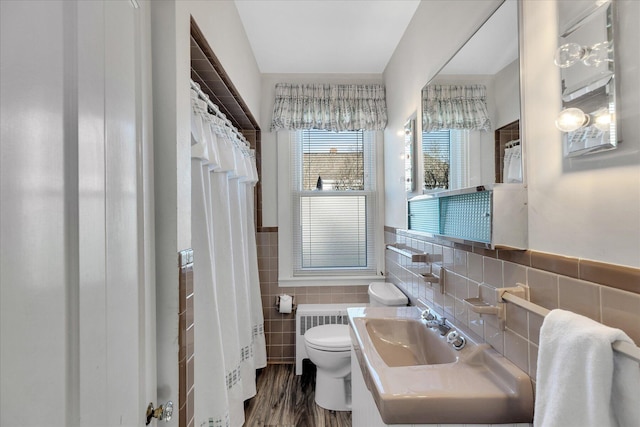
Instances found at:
x=585 y=57
x=409 y=143
x=461 y=150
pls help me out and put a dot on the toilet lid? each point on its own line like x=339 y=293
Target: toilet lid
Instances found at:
x=329 y=337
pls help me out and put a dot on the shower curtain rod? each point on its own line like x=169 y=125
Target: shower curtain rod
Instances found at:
x=195 y=86
x=513 y=143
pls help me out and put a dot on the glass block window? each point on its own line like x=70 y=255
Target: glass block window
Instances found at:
x=467 y=216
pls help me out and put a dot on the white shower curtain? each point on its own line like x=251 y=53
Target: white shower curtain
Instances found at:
x=211 y=399
x=225 y=311
x=257 y=319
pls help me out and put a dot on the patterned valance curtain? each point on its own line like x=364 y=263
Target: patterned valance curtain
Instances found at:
x=455 y=107
x=329 y=107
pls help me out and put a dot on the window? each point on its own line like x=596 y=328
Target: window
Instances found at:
x=333 y=206
x=445 y=159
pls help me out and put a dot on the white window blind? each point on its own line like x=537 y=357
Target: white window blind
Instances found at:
x=459 y=159
x=333 y=203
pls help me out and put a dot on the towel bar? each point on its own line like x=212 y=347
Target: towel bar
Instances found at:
x=622 y=347
x=409 y=252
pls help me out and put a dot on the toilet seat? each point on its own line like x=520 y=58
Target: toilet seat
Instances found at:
x=329 y=338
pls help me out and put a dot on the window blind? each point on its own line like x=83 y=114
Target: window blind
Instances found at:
x=333 y=202
x=445 y=156
x=459 y=159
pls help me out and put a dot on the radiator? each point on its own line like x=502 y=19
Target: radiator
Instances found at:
x=310 y=315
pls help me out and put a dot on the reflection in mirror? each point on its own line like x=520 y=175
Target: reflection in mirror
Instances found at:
x=409 y=143
x=586 y=61
x=471 y=111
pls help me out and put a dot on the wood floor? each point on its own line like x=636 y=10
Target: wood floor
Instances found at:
x=286 y=400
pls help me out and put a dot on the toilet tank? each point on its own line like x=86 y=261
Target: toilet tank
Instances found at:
x=386 y=294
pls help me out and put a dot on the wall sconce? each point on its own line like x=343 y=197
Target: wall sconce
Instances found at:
x=572 y=119
x=588 y=118
x=571 y=53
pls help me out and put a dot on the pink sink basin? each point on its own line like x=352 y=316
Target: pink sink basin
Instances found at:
x=407 y=342
x=416 y=377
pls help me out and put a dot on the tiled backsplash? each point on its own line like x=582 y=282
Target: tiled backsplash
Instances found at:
x=554 y=281
x=280 y=328
x=607 y=293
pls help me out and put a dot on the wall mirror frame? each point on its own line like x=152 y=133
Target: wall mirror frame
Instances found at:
x=586 y=59
x=490 y=58
x=475 y=191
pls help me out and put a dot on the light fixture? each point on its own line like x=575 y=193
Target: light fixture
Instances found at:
x=602 y=119
x=568 y=54
x=592 y=56
x=572 y=119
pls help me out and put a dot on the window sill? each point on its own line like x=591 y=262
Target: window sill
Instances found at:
x=285 y=282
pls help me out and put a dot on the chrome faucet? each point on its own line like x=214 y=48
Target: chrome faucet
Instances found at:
x=433 y=321
x=443 y=327
x=430 y=319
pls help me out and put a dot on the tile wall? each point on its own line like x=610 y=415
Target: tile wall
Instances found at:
x=185 y=336
x=606 y=293
x=280 y=328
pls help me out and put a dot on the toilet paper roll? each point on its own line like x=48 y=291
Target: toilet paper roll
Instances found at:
x=285 y=303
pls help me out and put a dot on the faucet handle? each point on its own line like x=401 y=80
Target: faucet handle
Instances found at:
x=456 y=340
x=427 y=315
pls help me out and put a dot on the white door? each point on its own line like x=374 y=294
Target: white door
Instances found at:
x=77 y=296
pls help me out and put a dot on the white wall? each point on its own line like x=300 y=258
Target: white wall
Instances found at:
x=220 y=23
x=269 y=143
x=506 y=95
x=171 y=162
x=425 y=47
x=587 y=208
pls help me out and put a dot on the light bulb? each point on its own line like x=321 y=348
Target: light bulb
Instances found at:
x=597 y=54
x=602 y=119
x=568 y=54
x=571 y=119
x=591 y=56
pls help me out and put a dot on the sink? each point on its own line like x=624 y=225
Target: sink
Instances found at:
x=416 y=377
x=407 y=342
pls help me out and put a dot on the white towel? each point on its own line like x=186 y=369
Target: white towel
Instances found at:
x=581 y=380
x=515 y=165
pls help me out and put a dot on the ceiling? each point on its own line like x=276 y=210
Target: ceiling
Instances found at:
x=492 y=47
x=324 y=36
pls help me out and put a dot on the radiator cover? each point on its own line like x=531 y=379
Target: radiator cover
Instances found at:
x=310 y=315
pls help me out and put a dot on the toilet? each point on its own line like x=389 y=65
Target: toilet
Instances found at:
x=329 y=348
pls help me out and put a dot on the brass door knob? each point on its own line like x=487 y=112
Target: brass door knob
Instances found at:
x=162 y=412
